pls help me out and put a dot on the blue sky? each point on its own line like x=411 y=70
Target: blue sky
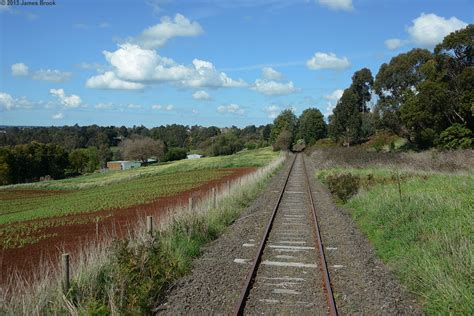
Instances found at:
x=207 y=62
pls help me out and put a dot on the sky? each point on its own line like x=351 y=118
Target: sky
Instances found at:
x=204 y=62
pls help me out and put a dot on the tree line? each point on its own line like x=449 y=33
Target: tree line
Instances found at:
x=29 y=153
x=425 y=97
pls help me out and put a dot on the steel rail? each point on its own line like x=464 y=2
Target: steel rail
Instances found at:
x=323 y=264
x=240 y=305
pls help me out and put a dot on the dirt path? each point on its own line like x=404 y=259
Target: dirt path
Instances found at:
x=362 y=284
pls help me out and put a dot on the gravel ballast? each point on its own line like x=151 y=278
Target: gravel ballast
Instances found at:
x=361 y=282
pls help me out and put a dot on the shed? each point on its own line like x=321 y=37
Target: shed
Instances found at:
x=194 y=156
x=122 y=165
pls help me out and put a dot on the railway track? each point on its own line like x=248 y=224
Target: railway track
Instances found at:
x=289 y=274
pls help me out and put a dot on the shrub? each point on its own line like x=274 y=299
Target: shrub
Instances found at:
x=344 y=186
x=456 y=136
x=283 y=141
x=175 y=153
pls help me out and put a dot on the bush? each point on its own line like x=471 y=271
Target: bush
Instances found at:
x=456 y=136
x=344 y=186
x=175 y=153
x=225 y=144
x=283 y=141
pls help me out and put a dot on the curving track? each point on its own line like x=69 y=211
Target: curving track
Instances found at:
x=289 y=274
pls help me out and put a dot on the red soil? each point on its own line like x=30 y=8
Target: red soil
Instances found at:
x=27 y=260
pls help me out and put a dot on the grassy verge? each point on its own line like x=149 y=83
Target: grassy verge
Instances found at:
x=421 y=226
x=131 y=276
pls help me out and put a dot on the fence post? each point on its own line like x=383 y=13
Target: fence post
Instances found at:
x=214 y=198
x=97 y=228
x=149 y=225
x=65 y=267
x=228 y=187
x=190 y=204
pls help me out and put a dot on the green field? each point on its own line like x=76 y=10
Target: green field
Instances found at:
x=102 y=191
x=424 y=234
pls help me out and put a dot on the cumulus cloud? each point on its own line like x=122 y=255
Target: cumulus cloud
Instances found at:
x=108 y=80
x=327 y=61
x=332 y=99
x=272 y=111
x=201 y=95
x=69 y=101
x=51 y=75
x=345 y=5
x=8 y=102
x=133 y=66
x=20 y=69
x=231 y=109
x=271 y=74
x=427 y=31
x=58 y=116
x=157 y=35
x=273 y=87
x=134 y=106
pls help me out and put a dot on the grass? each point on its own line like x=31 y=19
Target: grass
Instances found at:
x=131 y=276
x=424 y=234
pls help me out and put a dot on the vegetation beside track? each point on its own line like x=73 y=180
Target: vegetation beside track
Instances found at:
x=132 y=275
x=419 y=221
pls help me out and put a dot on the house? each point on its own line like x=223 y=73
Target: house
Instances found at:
x=193 y=156
x=122 y=165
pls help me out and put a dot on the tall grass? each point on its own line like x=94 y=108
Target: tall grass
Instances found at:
x=130 y=276
x=419 y=218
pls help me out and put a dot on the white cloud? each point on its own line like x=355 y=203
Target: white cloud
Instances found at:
x=104 y=106
x=58 y=116
x=332 y=99
x=157 y=35
x=71 y=101
x=134 y=106
x=169 y=107
x=327 y=61
x=271 y=74
x=20 y=69
x=273 y=87
x=272 y=111
x=231 y=109
x=429 y=29
x=201 y=95
x=51 y=75
x=394 y=43
x=108 y=80
x=135 y=66
x=345 y=5
x=7 y=102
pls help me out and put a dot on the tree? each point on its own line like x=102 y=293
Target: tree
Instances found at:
x=285 y=121
x=311 y=126
x=142 y=148
x=225 y=144
x=175 y=153
x=283 y=141
x=78 y=159
x=394 y=83
x=456 y=136
x=346 y=122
